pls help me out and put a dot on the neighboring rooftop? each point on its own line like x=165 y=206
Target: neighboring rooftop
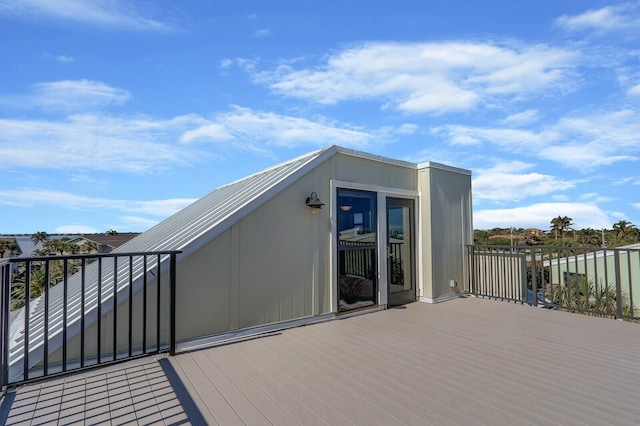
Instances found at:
x=110 y=240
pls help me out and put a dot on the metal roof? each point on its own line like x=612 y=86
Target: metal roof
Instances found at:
x=198 y=223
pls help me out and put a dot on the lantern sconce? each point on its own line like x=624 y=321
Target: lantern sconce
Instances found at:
x=314 y=203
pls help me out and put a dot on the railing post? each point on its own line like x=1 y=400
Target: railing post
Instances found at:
x=5 y=284
x=616 y=254
x=534 y=278
x=172 y=286
x=471 y=255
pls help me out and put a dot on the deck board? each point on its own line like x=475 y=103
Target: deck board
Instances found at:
x=463 y=362
x=467 y=361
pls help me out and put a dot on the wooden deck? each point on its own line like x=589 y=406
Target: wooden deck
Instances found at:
x=467 y=361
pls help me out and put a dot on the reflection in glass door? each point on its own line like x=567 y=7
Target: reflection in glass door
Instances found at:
x=400 y=251
x=357 y=249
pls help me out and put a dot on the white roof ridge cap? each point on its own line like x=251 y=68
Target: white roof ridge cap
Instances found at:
x=369 y=156
x=434 y=165
x=312 y=155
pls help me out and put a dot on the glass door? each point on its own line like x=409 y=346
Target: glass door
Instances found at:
x=357 y=249
x=400 y=251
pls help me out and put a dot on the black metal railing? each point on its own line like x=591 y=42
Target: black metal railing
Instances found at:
x=396 y=263
x=595 y=281
x=65 y=313
x=357 y=259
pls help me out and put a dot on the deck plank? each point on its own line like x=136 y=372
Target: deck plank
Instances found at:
x=463 y=362
x=467 y=361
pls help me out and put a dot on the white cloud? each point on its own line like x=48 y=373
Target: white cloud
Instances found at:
x=597 y=139
x=426 y=77
x=147 y=144
x=207 y=132
x=112 y=14
x=65 y=59
x=261 y=33
x=619 y=216
x=521 y=118
x=33 y=198
x=506 y=182
x=582 y=142
x=69 y=95
x=514 y=139
x=595 y=198
x=95 y=142
x=256 y=130
x=584 y=215
x=624 y=16
x=635 y=90
x=408 y=129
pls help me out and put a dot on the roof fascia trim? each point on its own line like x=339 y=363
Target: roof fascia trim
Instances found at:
x=373 y=157
x=439 y=166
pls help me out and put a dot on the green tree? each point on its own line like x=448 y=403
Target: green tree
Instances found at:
x=7 y=246
x=88 y=247
x=39 y=237
x=566 y=224
x=623 y=229
x=556 y=225
x=61 y=246
x=589 y=237
x=112 y=232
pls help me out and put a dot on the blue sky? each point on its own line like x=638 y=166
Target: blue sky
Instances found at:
x=114 y=114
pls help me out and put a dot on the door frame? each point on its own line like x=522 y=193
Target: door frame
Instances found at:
x=411 y=204
x=381 y=227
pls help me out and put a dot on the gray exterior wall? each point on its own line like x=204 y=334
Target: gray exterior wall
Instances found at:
x=274 y=264
x=447 y=227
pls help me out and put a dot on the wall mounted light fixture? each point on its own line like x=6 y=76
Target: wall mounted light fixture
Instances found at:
x=314 y=203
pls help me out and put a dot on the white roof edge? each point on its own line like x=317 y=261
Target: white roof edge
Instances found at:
x=374 y=157
x=401 y=163
x=291 y=160
x=432 y=165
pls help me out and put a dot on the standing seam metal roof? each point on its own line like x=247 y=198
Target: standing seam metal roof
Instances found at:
x=237 y=198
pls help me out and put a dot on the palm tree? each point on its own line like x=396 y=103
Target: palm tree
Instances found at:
x=39 y=237
x=623 y=228
x=41 y=252
x=88 y=247
x=60 y=246
x=566 y=224
x=589 y=237
x=556 y=225
x=38 y=282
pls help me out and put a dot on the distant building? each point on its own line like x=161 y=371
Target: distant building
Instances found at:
x=105 y=243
